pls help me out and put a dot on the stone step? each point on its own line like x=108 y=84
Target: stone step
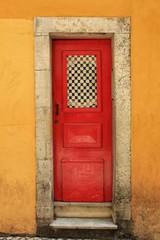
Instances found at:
x=83 y=210
x=83 y=223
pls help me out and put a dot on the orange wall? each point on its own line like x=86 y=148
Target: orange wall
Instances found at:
x=17 y=127
x=17 y=118
x=145 y=59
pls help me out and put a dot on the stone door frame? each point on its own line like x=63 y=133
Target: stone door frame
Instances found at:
x=118 y=30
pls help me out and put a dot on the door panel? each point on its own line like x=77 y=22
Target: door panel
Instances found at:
x=82 y=180
x=82 y=124
x=80 y=135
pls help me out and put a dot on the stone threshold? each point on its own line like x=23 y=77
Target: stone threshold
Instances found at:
x=83 y=223
x=84 y=204
x=82 y=210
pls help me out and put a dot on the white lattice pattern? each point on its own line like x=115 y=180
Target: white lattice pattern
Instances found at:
x=81 y=81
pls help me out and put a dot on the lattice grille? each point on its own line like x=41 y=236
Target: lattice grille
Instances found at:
x=81 y=81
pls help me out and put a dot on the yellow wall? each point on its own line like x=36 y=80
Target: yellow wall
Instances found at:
x=17 y=116
x=17 y=127
x=146 y=118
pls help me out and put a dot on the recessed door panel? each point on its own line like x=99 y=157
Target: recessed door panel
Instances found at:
x=82 y=120
x=82 y=180
x=82 y=135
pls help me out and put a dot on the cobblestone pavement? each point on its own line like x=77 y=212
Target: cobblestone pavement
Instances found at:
x=42 y=238
x=38 y=238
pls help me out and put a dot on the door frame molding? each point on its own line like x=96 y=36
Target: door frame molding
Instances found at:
x=117 y=29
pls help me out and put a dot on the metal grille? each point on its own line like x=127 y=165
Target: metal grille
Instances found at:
x=81 y=81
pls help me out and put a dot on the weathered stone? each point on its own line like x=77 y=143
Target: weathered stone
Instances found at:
x=43 y=133
x=121 y=44
x=44 y=183
x=45 y=213
x=77 y=24
x=83 y=210
x=43 y=89
x=42 y=52
x=83 y=223
x=121 y=107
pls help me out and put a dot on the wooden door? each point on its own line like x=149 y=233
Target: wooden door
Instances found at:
x=82 y=122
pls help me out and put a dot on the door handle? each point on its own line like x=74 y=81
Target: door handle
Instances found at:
x=57 y=109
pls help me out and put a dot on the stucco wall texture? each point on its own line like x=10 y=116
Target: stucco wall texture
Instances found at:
x=17 y=107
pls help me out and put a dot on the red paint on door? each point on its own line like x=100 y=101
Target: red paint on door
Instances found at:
x=82 y=122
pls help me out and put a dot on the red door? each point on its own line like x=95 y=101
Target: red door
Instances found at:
x=82 y=124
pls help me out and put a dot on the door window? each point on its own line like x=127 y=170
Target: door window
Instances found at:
x=81 y=81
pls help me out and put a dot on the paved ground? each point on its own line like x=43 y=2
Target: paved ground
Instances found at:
x=25 y=238
x=42 y=238
x=39 y=238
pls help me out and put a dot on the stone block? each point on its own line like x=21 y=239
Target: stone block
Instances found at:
x=81 y=24
x=44 y=183
x=123 y=210
x=43 y=133
x=83 y=223
x=45 y=214
x=43 y=89
x=44 y=196
x=42 y=53
x=121 y=45
x=44 y=171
